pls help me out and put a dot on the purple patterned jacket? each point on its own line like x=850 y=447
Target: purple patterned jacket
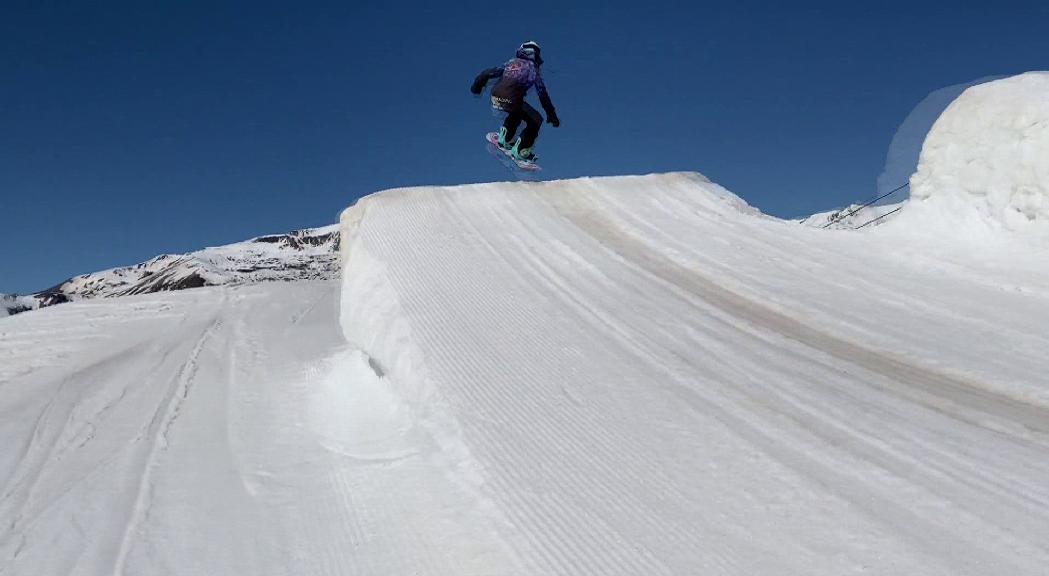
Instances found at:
x=515 y=78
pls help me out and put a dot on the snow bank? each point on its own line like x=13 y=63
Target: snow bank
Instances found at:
x=985 y=163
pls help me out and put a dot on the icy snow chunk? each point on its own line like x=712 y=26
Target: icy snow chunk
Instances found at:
x=986 y=160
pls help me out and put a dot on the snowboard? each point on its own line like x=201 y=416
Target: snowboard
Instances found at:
x=493 y=144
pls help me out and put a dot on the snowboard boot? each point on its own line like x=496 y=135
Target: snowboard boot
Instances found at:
x=502 y=140
x=522 y=154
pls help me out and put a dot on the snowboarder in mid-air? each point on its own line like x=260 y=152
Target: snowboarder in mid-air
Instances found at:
x=508 y=96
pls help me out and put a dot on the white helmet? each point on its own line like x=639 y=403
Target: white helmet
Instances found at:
x=530 y=51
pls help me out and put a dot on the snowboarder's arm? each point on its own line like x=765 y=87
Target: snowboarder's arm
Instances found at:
x=483 y=78
x=544 y=99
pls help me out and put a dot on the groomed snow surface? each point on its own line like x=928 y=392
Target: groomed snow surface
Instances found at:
x=644 y=376
x=637 y=375
x=634 y=375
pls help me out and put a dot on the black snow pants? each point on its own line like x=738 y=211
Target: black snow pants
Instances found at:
x=533 y=121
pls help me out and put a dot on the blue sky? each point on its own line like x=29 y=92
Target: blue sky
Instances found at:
x=129 y=129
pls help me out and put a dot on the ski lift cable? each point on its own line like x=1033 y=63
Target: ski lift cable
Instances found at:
x=861 y=207
x=879 y=218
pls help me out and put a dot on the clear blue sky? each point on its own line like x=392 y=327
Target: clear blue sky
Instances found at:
x=129 y=129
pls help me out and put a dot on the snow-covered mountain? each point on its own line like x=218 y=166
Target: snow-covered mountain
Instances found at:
x=853 y=216
x=308 y=254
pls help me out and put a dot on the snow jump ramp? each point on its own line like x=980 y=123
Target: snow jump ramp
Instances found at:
x=644 y=375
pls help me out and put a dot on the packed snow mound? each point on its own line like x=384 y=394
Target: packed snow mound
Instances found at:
x=985 y=163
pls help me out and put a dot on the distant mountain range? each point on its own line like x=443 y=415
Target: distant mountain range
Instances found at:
x=309 y=254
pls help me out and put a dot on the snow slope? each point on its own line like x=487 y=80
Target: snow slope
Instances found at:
x=637 y=375
x=172 y=433
x=642 y=375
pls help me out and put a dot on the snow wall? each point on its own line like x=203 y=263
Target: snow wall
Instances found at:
x=984 y=165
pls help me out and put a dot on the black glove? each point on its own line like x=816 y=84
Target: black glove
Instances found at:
x=553 y=120
x=477 y=87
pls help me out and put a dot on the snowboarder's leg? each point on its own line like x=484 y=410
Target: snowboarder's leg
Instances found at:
x=513 y=120
x=533 y=120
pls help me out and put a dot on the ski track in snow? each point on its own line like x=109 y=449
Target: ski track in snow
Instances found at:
x=606 y=376
x=160 y=426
